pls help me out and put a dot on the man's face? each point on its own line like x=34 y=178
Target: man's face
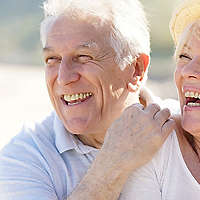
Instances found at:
x=87 y=88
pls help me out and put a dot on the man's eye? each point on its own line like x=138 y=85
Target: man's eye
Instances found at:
x=84 y=58
x=52 y=60
x=185 y=56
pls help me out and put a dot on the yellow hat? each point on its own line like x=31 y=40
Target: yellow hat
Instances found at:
x=186 y=13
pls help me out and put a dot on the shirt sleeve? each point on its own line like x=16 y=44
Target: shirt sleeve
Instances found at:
x=22 y=177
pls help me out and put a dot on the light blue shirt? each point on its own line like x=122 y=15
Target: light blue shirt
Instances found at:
x=43 y=162
x=46 y=162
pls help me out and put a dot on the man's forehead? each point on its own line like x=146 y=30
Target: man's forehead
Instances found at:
x=76 y=34
x=79 y=22
x=88 y=44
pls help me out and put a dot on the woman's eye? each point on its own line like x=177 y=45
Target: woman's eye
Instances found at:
x=185 y=56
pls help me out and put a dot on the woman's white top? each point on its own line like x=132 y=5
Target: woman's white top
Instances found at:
x=166 y=177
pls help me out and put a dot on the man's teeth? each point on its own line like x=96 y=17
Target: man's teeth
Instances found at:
x=75 y=97
x=192 y=94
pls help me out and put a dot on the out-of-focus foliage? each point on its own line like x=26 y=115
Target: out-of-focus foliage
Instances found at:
x=159 y=14
x=19 y=31
x=20 y=43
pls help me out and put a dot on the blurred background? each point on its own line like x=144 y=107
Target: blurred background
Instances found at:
x=22 y=85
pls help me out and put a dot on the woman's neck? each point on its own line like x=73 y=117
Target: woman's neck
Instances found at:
x=185 y=138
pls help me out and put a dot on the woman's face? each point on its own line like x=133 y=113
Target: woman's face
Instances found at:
x=187 y=77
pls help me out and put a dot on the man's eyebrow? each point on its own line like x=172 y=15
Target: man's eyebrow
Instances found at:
x=85 y=45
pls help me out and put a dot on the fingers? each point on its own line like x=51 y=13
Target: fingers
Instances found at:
x=168 y=127
x=162 y=116
x=152 y=109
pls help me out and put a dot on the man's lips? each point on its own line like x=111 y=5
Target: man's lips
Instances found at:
x=77 y=98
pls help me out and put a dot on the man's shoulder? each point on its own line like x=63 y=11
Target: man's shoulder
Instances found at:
x=27 y=161
x=43 y=127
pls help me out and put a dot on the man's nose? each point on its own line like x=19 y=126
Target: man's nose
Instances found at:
x=192 y=69
x=67 y=73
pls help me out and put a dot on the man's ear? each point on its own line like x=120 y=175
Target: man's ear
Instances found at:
x=141 y=65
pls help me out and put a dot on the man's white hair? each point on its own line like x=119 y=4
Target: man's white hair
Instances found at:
x=129 y=34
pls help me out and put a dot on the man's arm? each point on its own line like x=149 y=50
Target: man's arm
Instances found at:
x=130 y=142
x=104 y=180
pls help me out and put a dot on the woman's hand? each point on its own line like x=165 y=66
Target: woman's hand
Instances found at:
x=137 y=135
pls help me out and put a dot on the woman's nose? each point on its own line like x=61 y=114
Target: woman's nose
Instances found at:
x=192 y=69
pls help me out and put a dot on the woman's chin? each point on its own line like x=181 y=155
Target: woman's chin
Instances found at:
x=191 y=125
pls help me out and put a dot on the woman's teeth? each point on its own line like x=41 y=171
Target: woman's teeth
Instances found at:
x=193 y=104
x=192 y=99
x=192 y=94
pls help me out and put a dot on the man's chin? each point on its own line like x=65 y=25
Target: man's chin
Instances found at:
x=76 y=126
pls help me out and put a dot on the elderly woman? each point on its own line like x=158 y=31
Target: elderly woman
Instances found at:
x=174 y=173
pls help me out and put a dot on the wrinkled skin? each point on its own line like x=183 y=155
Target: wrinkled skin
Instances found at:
x=79 y=59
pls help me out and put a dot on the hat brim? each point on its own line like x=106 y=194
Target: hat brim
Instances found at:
x=187 y=13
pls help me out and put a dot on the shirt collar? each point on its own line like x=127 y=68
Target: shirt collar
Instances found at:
x=65 y=141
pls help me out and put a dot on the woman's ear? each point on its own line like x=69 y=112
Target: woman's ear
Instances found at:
x=140 y=68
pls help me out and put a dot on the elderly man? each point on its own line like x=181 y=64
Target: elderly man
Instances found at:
x=96 y=55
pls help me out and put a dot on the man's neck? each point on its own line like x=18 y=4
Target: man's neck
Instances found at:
x=92 y=141
x=97 y=140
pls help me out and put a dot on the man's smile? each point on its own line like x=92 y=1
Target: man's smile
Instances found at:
x=74 y=99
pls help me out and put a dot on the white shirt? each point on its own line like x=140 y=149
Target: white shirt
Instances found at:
x=166 y=177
